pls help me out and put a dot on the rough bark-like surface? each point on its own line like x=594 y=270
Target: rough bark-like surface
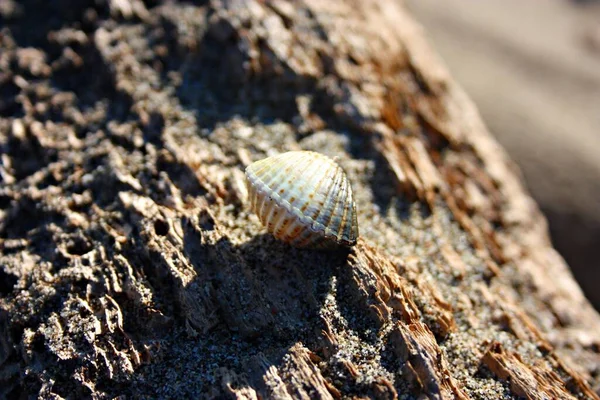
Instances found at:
x=535 y=78
x=130 y=265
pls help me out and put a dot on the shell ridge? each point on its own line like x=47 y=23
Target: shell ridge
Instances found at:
x=346 y=224
x=315 y=226
x=340 y=221
x=309 y=173
x=297 y=185
x=261 y=198
x=353 y=226
x=317 y=188
x=331 y=198
x=273 y=176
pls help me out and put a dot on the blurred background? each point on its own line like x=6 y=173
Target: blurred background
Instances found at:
x=533 y=68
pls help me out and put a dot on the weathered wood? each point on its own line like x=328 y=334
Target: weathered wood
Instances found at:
x=130 y=265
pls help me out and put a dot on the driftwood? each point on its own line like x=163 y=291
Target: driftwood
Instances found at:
x=131 y=267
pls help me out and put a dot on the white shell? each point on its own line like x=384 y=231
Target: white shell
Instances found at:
x=303 y=198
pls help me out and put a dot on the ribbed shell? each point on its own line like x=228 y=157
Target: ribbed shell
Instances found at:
x=303 y=198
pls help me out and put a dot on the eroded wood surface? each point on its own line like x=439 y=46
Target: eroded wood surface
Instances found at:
x=131 y=266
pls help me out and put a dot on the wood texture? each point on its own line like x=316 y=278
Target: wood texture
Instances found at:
x=130 y=264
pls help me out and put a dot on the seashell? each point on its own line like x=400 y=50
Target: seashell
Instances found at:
x=303 y=198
